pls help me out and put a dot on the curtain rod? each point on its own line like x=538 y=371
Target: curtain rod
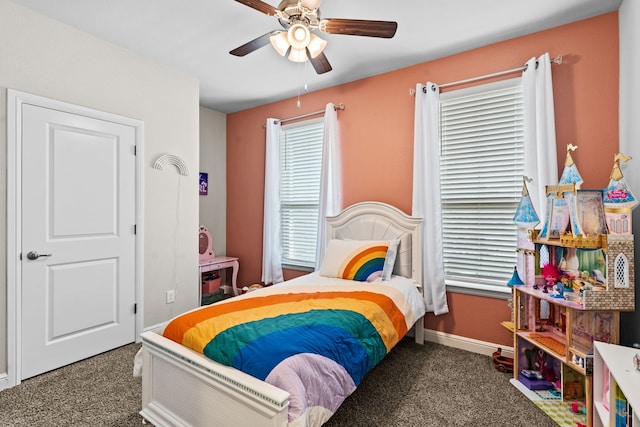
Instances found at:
x=556 y=60
x=314 y=113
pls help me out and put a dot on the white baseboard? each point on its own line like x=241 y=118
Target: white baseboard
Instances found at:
x=464 y=343
x=4 y=381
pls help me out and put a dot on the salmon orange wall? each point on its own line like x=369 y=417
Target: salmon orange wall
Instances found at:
x=376 y=130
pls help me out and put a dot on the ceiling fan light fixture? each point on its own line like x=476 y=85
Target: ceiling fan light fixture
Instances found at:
x=299 y=36
x=311 y=4
x=297 y=55
x=280 y=43
x=316 y=45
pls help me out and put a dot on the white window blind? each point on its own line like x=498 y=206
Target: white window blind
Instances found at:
x=482 y=163
x=300 y=163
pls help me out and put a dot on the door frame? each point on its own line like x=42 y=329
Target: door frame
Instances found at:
x=15 y=100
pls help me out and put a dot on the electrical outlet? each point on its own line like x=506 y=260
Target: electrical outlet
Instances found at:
x=171 y=296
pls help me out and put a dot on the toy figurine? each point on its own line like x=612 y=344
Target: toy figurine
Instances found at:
x=551 y=275
x=578 y=407
x=598 y=277
x=557 y=291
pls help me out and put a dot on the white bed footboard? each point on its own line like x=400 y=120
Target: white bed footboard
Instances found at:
x=183 y=388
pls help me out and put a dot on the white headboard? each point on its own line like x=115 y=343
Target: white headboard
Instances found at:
x=380 y=221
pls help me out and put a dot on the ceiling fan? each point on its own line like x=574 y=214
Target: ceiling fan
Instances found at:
x=300 y=18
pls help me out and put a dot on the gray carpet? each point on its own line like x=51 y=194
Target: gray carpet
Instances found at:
x=100 y=391
x=429 y=385
x=433 y=386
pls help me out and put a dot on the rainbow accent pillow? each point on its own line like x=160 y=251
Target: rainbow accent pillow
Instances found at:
x=360 y=260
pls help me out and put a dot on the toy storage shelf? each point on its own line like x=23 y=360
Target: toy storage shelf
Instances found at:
x=613 y=365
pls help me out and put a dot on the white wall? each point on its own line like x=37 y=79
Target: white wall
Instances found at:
x=3 y=234
x=44 y=57
x=629 y=17
x=213 y=160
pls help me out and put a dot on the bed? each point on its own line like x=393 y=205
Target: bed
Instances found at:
x=302 y=379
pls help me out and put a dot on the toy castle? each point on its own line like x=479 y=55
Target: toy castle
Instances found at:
x=586 y=233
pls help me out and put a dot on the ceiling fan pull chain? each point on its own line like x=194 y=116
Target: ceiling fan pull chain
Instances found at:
x=300 y=73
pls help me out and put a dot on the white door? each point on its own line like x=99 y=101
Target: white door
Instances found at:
x=78 y=237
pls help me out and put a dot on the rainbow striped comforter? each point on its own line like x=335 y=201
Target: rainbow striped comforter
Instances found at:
x=313 y=336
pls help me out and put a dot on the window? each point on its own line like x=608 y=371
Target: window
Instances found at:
x=621 y=279
x=300 y=164
x=481 y=168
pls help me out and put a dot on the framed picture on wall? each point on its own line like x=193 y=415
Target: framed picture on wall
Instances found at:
x=204 y=183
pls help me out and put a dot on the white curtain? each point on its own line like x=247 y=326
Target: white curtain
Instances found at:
x=539 y=130
x=271 y=245
x=330 y=179
x=426 y=202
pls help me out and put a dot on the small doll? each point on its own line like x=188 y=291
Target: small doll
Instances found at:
x=551 y=275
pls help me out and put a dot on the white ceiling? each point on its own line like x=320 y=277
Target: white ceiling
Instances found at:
x=197 y=35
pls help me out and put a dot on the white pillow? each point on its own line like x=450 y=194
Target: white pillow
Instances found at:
x=390 y=259
x=361 y=260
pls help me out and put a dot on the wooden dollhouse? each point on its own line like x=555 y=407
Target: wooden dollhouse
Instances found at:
x=585 y=238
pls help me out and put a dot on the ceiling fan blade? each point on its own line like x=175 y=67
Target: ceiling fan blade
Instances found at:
x=320 y=63
x=254 y=44
x=359 y=27
x=259 y=6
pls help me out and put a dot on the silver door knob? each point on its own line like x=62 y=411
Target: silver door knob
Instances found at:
x=35 y=255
